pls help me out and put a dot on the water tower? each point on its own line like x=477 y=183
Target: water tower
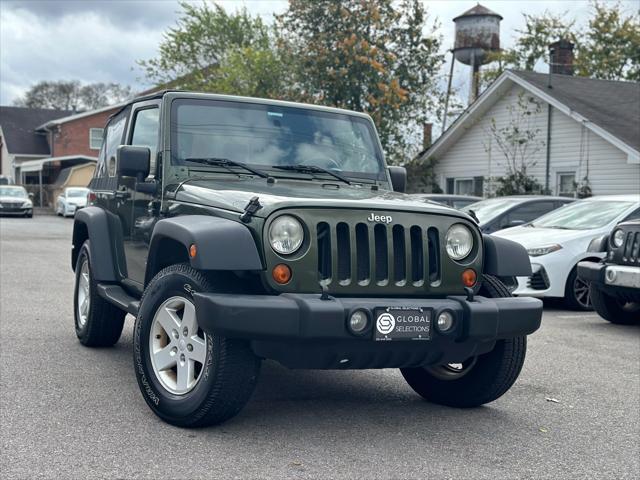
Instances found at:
x=477 y=34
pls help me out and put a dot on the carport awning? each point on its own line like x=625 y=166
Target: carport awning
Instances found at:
x=69 y=160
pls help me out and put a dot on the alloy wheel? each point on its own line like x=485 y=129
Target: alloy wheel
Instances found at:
x=581 y=293
x=177 y=346
x=84 y=293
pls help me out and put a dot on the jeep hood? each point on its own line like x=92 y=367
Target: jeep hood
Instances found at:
x=234 y=194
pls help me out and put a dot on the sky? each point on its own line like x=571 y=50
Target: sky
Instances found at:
x=101 y=41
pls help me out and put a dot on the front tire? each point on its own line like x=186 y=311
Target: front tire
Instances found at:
x=577 y=295
x=614 y=310
x=98 y=323
x=477 y=380
x=188 y=377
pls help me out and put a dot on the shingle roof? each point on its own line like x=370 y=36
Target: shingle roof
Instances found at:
x=19 y=128
x=478 y=10
x=612 y=105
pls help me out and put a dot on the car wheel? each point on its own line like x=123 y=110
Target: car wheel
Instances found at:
x=188 y=377
x=576 y=293
x=615 y=310
x=476 y=380
x=98 y=323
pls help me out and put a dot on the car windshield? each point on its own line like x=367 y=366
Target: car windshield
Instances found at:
x=487 y=210
x=77 y=192
x=17 y=192
x=265 y=136
x=583 y=215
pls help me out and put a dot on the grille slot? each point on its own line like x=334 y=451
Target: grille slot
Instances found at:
x=382 y=258
x=539 y=280
x=631 y=248
x=377 y=254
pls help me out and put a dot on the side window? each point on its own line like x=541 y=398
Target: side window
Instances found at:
x=527 y=213
x=145 y=131
x=635 y=215
x=115 y=130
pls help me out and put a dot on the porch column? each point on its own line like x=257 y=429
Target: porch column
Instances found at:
x=40 y=177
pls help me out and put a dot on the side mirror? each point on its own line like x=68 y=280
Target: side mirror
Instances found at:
x=133 y=161
x=398 y=178
x=31 y=195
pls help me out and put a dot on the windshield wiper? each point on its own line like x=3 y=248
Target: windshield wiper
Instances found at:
x=312 y=169
x=225 y=162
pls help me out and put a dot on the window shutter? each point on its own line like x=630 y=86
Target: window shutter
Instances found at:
x=450 y=185
x=478 y=186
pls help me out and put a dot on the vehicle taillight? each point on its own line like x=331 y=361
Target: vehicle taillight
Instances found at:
x=91 y=197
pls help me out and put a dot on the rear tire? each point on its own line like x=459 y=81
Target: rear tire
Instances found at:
x=98 y=323
x=613 y=310
x=219 y=381
x=477 y=380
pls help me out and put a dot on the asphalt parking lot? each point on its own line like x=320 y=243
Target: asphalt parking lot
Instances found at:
x=67 y=411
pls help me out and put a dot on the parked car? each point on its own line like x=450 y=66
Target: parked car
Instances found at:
x=263 y=233
x=503 y=212
x=14 y=200
x=557 y=241
x=6 y=180
x=71 y=200
x=455 y=201
x=614 y=282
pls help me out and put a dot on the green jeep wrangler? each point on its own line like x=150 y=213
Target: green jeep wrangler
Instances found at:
x=240 y=229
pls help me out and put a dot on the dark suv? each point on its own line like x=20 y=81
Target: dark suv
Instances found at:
x=238 y=229
x=614 y=283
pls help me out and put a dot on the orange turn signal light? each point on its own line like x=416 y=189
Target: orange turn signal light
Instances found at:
x=281 y=273
x=469 y=277
x=193 y=250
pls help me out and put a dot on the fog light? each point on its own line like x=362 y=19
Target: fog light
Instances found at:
x=445 y=321
x=358 y=321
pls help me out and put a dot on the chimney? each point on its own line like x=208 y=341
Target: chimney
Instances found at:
x=426 y=135
x=561 y=57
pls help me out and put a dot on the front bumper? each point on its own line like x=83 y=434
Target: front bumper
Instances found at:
x=305 y=331
x=16 y=211
x=606 y=276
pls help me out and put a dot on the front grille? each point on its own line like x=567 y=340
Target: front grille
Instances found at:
x=539 y=280
x=631 y=248
x=377 y=255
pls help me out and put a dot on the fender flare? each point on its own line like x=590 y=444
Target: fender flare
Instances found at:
x=92 y=223
x=221 y=244
x=505 y=258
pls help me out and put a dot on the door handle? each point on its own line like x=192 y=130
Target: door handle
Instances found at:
x=122 y=195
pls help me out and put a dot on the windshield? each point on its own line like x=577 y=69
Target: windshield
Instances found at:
x=583 y=215
x=18 y=192
x=77 y=192
x=487 y=210
x=271 y=135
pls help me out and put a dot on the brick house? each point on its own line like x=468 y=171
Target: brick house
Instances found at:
x=37 y=145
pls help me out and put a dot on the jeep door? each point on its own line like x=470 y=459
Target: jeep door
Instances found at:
x=143 y=131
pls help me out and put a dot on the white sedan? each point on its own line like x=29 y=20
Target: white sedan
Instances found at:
x=557 y=241
x=72 y=199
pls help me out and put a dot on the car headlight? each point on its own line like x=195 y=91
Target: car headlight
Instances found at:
x=544 y=250
x=286 y=234
x=617 y=238
x=459 y=241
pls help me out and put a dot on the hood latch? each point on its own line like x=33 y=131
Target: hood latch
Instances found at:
x=252 y=207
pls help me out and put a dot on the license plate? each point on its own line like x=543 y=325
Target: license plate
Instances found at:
x=402 y=323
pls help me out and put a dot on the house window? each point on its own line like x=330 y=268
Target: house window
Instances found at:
x=463 y=186
x=567 y=184
x=95 y=138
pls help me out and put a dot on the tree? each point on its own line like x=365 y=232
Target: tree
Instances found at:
x=379 y=57
x=72 y=95
x=607 y=48
x=211 y=50
x=518 y=141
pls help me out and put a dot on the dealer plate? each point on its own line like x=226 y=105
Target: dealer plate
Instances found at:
x=402 y=323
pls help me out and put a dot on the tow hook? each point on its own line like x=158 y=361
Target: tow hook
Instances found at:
x=469 y=292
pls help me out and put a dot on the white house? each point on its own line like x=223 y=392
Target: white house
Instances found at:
x=585 y=131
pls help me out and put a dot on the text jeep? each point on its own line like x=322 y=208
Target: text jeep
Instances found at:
x=238 y=229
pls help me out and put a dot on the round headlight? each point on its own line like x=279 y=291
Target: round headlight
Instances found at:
x=618 y=238
x=286 y=234
x=459 y=241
